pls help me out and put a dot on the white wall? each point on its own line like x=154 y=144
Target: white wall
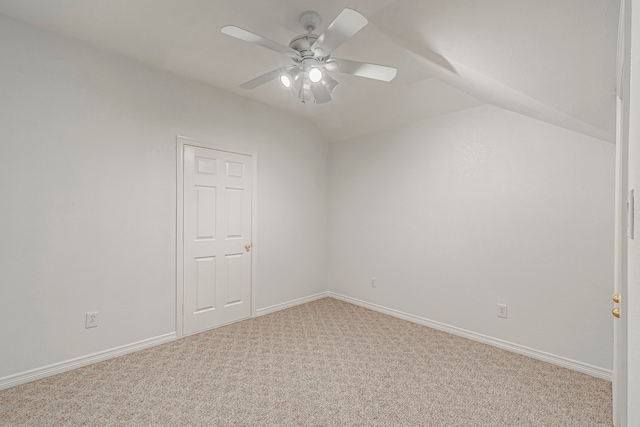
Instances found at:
x=456 y=214
x=88 y=189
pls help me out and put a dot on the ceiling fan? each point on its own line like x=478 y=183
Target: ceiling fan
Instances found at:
x=312 y=59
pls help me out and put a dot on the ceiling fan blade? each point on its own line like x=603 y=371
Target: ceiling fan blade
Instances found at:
x=420 y=49
x=247 y=36
x=260 y=80
x=320 y=93
x=345 y=26
x=362 y=69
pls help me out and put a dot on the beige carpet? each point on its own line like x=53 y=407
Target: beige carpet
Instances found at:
x=326 y=363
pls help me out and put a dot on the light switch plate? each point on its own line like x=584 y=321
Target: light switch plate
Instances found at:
x=502 y=310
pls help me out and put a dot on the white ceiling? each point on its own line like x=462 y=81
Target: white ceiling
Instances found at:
x=554 y=60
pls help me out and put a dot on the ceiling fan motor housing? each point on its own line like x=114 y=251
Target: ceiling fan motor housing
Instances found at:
x=302 y=44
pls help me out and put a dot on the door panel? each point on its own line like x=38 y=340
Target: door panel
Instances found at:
x=217 y=238
x=233 y=286
x=206 y=208
x=205 y=283
x=234 y=213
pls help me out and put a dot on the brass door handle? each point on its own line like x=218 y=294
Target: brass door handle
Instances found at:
x=616 y=298
x=616 y=312
x=247 y=247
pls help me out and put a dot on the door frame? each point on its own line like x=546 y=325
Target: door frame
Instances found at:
x=620 y=351
x=181 y=142
x=620 y=330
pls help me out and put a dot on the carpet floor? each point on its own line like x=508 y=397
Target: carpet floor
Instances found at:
x=325 y=363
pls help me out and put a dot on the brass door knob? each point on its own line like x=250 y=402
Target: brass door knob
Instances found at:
x=247 y=246
x=616 y=312
x=616 y=298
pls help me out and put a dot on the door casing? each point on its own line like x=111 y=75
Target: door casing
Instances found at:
x=620 y=348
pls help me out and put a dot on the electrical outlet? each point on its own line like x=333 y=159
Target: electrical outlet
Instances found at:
x=91 y=321
x=502 y=310
x=372 y=282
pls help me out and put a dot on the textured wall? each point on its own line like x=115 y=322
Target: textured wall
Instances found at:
x=88 y=188
x=456 y=214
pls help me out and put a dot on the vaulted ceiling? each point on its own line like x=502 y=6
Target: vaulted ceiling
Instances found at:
x=554 y=60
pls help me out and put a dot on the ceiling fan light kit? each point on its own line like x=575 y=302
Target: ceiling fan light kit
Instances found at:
x=312 y=56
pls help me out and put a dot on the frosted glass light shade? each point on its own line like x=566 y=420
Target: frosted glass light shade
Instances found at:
x=315 y=75
x=285 y=80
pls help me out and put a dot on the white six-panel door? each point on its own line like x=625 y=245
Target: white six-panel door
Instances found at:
x=217 y=238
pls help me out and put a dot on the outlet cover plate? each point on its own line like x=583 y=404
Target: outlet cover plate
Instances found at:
x=91 y=321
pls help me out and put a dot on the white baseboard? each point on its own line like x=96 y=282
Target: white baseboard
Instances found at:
x=68 y=365
x=574 y=365
x=289 y=304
